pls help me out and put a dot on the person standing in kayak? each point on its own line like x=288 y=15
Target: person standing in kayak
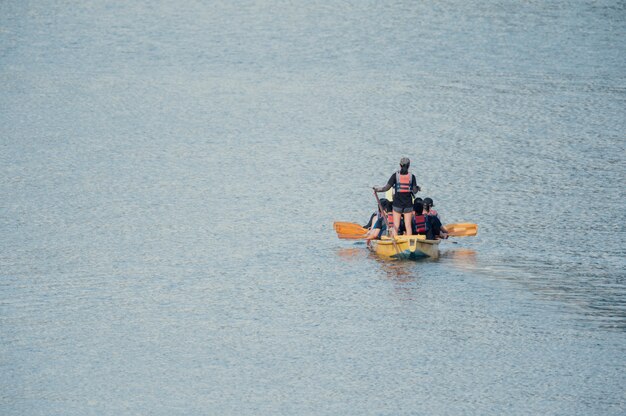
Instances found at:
x=405 y=185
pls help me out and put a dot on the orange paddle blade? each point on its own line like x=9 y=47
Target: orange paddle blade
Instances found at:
x=348 y=228
x=465 y=229
x=351 y=236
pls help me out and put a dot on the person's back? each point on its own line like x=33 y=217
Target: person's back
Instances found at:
x=419 y=219
x=405 y=185
x=434 y=228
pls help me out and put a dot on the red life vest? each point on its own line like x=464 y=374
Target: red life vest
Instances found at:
x=432 y=212
x=404 y=183
x=420 y=224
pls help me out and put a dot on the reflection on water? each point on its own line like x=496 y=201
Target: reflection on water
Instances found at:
x=400 y=271
x=352 y=253
x=402 y=274
x=464 y=258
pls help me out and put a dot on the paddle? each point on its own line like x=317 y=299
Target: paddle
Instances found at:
x=352 y=236
x=353 y=231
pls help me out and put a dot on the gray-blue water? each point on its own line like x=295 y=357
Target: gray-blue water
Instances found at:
x=170 y=172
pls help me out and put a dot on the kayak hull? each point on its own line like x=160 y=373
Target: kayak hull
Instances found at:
x=407 y=247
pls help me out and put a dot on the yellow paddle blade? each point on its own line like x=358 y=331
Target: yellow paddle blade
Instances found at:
x=348 y=228
x=342 y=230
x=345 y=224
x=351 y=236
x=465 y=229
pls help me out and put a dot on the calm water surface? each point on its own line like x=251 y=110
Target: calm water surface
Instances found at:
x=169 y=175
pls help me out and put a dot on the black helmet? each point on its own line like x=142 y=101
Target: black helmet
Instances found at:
x=429 y=202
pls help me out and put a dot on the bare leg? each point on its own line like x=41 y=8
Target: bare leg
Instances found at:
x=408 y=218
x=396 y=221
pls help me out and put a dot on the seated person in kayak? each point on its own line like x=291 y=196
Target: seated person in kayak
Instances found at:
x=405 y=186
x=376 y=215
x=434 y=228
x=419 y=219
x=380 y=226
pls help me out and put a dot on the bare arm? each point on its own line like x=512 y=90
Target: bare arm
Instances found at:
x=382 y=188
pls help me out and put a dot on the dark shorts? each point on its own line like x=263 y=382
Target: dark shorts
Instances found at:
x=403 y=210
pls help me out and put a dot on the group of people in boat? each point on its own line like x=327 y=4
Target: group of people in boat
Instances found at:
x=405 y=214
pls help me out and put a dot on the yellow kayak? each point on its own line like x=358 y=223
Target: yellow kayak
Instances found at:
x=406 y=247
